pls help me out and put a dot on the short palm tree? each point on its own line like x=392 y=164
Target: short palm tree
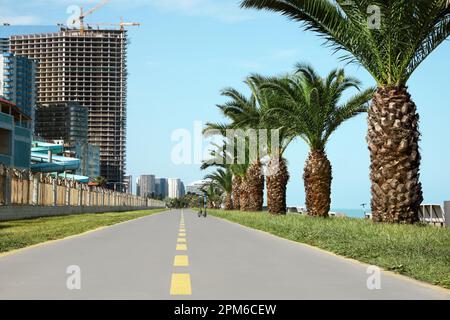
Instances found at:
x=310 y=110
x=390 y=45
x=100 y=181
x=223 y=179
x=222 y=158
x=213 y=195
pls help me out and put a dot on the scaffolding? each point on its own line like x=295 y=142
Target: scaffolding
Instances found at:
x=91 y=69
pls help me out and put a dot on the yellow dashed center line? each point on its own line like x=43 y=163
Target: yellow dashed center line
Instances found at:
x=181 y=261
x=181 y=284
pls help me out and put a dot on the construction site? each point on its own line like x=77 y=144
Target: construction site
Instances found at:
x=86 y=65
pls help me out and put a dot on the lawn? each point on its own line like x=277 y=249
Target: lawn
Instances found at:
x=420 y=252
x=24 y=233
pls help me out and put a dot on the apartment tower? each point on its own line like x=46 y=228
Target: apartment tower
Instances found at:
x=90 y=69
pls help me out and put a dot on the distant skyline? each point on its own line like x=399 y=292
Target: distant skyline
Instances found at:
x=186 y=51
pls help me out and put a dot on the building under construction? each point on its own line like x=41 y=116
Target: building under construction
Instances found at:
x=88 y=67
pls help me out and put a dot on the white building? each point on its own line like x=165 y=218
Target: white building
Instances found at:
x=175 y=188
x=195 y=187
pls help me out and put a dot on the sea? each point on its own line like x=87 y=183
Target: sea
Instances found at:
x=351 y=213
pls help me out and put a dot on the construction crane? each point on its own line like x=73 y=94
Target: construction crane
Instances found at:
x=122 y=24
x=84 y=14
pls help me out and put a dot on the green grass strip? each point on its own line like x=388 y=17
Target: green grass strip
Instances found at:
x=418 y=251
x=23 y=233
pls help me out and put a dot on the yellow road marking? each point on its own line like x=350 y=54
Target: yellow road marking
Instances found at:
x=181 y=261
x=181 y=284
x=181 y=240
x=182 y=230
x=182 y=234
x=181 y=247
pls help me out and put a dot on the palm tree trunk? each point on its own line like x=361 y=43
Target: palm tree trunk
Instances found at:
x=393 y=139
x=228 y=202
x=255 y=187
x=317 y=177
x=236 y=192
x=244 y=196
x=277 y=179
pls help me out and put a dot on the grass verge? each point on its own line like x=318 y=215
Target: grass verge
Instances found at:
x=23 y=233
x=420 y=252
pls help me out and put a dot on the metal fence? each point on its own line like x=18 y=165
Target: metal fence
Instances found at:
x=25 y=188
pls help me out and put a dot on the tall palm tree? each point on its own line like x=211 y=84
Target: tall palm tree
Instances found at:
x=223 y=179
x=390 y=47
x=245 y=113
x=311 y=110
x=279 y=137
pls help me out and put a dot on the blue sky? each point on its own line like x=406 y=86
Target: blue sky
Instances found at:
x=186 y=51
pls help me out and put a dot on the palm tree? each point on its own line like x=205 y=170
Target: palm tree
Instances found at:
x=222 y=158
x=408 y=32
x=245 y=113
x=222 y=178
x=100 y=181
x=311 y=111
x=213 y=195
x=278 y=139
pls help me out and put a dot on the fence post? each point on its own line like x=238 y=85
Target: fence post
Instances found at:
x=8 y=183
x=35 y=190
x=55 y=193
x=80 y=195
x=67 y=184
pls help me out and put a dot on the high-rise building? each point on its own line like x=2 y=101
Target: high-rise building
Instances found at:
x=89 y=156
x=128 y=183
x=182 y=189
x=90 y=69
x=146 y=185
x=175 y=188
x=66 y=121
x=161 y=187
x=4 y=45
x=17 y=81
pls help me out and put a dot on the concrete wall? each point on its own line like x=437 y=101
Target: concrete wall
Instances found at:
x=9 y=213
x=447 y=213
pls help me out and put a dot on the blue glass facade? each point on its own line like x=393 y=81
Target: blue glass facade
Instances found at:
x=18 y=81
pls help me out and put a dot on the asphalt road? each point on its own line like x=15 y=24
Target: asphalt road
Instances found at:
x=152 y=258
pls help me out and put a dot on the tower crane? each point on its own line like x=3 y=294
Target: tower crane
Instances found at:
x=84 y=14
x=121 y=24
